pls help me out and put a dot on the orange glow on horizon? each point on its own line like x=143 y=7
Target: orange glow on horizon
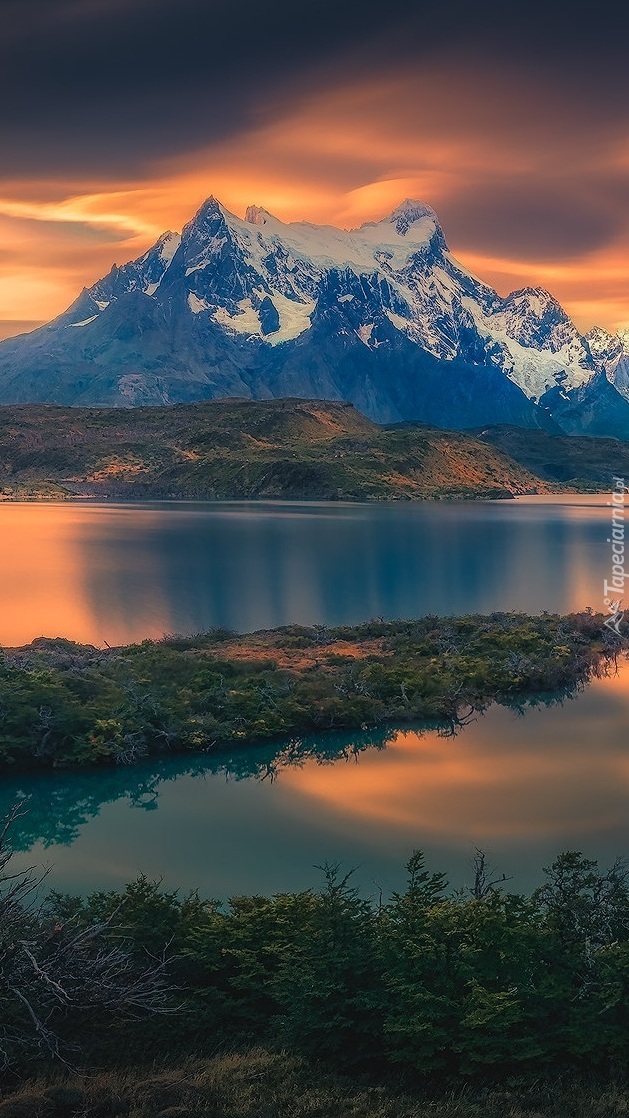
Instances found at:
x=341 y=157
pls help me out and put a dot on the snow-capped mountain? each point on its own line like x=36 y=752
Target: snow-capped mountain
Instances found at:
x=611 y=353
x=383 y=316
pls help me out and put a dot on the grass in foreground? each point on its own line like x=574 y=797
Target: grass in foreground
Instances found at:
x=260 y=1084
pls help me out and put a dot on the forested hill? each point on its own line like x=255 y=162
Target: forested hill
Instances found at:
x=293 y=449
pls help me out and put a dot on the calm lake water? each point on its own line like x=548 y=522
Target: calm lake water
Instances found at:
x=260 y=819
x=119 y=573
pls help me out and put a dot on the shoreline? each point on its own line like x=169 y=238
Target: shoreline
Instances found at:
x=78 y=706
x=120 y=499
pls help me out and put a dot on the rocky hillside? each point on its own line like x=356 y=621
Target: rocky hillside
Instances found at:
x=296 y=449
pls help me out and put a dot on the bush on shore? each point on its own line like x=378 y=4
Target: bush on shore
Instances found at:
x=430 y=986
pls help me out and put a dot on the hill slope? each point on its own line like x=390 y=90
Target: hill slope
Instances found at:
x=578 y=462
x=239 y=449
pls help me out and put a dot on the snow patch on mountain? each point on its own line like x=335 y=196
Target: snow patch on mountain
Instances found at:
x=245 y=321
x=324 y=246
x=364 y=332
x=606 y=347
x=197 y=305
x=611 y=353
x=169 y=244
x=533 y=341
x=294 y=318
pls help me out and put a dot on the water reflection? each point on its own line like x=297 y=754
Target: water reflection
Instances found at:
x=56 y=806
x=260 y=819
x=42 y=572
x=112 y=573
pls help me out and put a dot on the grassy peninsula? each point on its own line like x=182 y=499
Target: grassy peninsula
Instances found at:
x=289 y=449
x=65 y=704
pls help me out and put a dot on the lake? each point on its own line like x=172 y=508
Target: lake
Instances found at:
x=118 y=573
x=261 y=819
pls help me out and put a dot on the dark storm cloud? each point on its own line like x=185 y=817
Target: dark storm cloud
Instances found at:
x=118 y=116
x=110 y=85
x=537 y=221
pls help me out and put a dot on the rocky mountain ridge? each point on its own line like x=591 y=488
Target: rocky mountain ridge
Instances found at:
x=382 y=316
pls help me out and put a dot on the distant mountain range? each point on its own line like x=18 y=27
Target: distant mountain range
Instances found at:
x=382 y=316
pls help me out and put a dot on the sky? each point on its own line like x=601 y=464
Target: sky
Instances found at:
x=118 y=117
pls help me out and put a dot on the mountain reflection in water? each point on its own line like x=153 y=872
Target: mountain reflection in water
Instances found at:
x=120 y=573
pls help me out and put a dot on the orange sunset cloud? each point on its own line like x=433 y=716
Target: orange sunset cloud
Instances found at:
x=522 y=198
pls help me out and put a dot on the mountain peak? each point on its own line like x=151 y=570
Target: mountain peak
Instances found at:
x=408 y=212
x=536 y=302
x=536 y=292
x=412 y=209
x=405 y=217
x=257 y=215
x=210 y=208
x=383 y=315
x=606 y=347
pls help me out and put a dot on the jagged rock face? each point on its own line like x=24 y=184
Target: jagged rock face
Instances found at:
x=596 y=408
x=611 y=353
x=604 y=347
x=383 y=316
x=532 y=317
x=619 y=375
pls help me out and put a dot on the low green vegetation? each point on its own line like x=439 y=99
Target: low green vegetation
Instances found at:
x=291 y=449
x=64 y=704
x=432 y=1002
x=577 y=461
